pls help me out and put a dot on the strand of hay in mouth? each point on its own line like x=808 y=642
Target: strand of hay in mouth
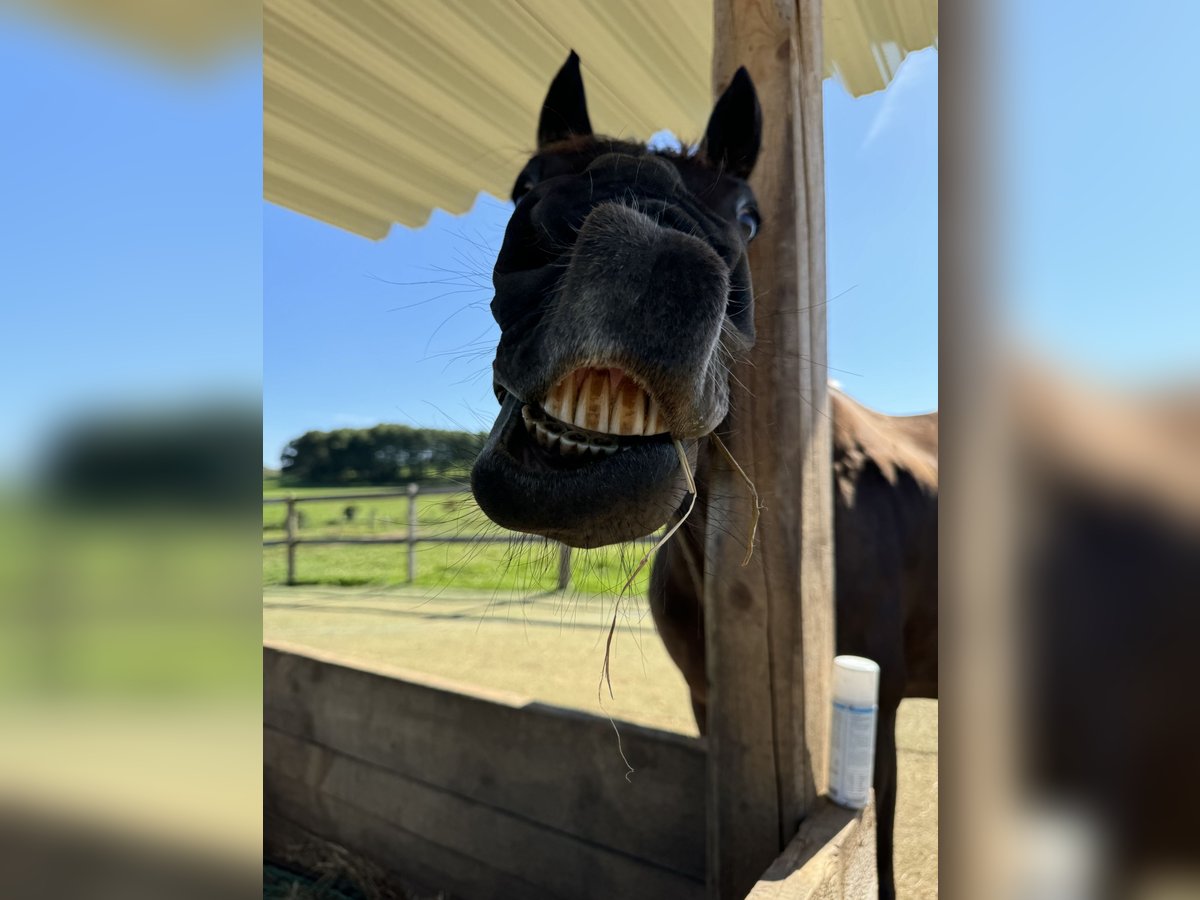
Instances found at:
x=753 y=493
x=605 y=673
x=687 y=472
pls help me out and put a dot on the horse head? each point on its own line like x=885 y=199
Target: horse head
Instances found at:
x=623 y=295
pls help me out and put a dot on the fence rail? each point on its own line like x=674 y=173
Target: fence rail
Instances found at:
x=437 y=489
x=409 y=538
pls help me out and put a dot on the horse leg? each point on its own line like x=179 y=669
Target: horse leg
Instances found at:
x=677 y=607
x=885 y=798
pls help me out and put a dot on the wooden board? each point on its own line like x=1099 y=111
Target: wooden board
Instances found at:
x=769 y=626
x=832 y=856
x=495 y=843
x=407 y=858
x=487 y=755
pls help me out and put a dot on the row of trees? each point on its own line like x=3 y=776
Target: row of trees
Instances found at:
x=194 y=454
x=379 y=455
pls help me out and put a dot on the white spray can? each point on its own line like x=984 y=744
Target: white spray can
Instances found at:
x=855 y=709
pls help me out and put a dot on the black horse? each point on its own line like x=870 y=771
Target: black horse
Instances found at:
x=623 y=293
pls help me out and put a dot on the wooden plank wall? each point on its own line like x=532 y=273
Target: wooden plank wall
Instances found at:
x=769 y=626
x=479 y=795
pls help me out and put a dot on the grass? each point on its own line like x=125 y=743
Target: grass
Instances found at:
x=119 y=602
x=273 y=486
x=531 y=567
x=530 y=564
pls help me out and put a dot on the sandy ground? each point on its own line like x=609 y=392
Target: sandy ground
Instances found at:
x=551 y=648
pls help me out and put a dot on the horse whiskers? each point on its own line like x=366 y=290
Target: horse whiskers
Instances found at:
x=753 y=493
x=605 y=677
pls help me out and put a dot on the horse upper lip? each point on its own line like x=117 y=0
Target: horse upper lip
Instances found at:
x=604 y=400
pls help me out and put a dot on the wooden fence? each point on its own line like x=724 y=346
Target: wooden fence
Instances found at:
x=410 y=538
x=474 y=793
x=485 y=795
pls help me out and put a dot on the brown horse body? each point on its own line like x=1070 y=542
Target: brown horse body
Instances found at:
x=886 y=528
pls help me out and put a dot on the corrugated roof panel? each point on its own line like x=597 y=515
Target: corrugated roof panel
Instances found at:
x=378 y=111
x=865 y=42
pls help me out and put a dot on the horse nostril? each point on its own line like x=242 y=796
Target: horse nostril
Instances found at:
x=603 y=399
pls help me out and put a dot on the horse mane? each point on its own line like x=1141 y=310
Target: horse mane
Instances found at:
x=895 y=444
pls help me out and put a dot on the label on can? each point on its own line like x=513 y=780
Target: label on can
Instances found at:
x=852 y=754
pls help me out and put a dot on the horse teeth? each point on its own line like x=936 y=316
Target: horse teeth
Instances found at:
x=552 y=436
x=628 y=409
x=651 y=424
x=591 y=404
x=598 y=406
x=566 y=407
x=572 y=386
x=603 y=401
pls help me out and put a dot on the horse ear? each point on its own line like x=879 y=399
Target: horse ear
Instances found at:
x=564 y=111
x=734 y=131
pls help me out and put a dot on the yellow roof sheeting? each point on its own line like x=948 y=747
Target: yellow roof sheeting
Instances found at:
x=378 y=111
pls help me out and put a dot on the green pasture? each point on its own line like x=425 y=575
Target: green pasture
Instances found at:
x=437 y=514
x=123 y=603
x=530 y=564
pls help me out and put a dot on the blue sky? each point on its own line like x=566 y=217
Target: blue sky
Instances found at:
x=133 y=267
x=352 y=337
x=1099 y=127
x=131 y=263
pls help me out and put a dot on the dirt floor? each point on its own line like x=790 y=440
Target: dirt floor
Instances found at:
x=550 y=647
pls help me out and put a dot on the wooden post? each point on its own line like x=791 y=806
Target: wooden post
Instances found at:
x=412 y=532
x=564 y=567
x=290 y=525
x=769 y=626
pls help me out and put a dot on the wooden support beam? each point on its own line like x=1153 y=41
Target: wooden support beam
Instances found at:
x=770 y=625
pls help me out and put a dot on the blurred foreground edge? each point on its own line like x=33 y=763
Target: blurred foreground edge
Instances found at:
x=1107 y=535
x=1072 y=614
x=47 y=857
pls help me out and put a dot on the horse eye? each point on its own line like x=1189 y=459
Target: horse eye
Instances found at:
x=523 y=187
x=527 y=180
x=748 y=218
